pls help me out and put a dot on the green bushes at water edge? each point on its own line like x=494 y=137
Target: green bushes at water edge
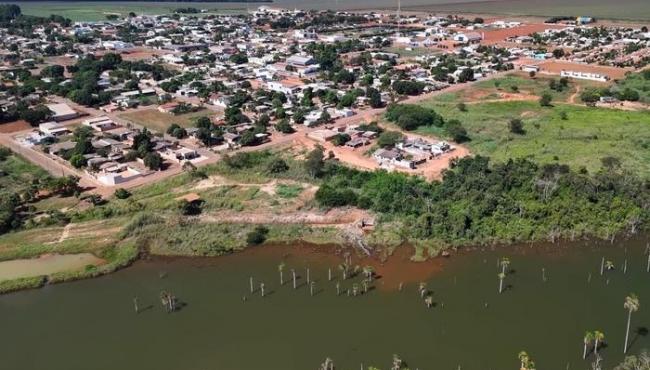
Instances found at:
x=482 y=203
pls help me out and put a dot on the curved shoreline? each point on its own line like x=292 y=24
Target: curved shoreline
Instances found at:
x=394 y=265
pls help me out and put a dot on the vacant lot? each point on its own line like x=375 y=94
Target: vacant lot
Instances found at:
x=16 y=174
x=494 y=36
x=158 y=121
x=557 y=66
x=580 y=139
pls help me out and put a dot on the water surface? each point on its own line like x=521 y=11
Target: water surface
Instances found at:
x=91 y=324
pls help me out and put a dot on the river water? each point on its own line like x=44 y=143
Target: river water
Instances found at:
x=92 y=324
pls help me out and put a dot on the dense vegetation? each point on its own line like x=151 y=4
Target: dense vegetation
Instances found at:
x=479 y=202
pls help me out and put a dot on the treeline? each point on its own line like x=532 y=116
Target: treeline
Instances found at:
x=480 y=203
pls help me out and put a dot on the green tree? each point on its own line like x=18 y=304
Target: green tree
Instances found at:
x=315 y=163
x=545 y=100
x=389 y=139
x=153 y=161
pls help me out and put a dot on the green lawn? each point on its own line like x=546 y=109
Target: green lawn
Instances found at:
x=586 y=136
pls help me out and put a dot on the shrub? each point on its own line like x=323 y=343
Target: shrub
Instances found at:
x=257 y=235
x=122 y=193
x=278 y=165
x=516 y=126
x=456 y=130
x=388 y=139
x=545 y=100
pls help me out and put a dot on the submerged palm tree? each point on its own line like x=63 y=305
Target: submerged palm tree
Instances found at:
x=281 y=270
x=368 y=272
x=501 y=276
x=423 y=289
x=609 y=265
x=588 y=338
x=344 y=270
x=293 y=272
x=428 y=301
x=397 y=362
x=524 y=359
x=599 y=337
x=631 y=305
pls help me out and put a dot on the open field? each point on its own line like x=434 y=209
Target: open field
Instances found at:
x=557 y=66
x=605 y=9
x=586 y=136
x=16 y=174
x=97 y=11
x=494 y=36
x=624 y=9
x=155 y=120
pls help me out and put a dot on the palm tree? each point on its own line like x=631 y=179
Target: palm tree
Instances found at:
x=311 y=288
x=308 y=280
x=355 y=289
x=293 y=272
x=505 y=262
x=428 y=301
x=524 y=359
x=423 y=289
x=262 y=288
x=397 y=363
x=588 y=338
x=344 y=270
x=501 y=276
x=338 y=288
x=598 y=337
x=609 y=265
x=368 y=271
x=631 y=305
x=250 y=280
x=329 y=274
x=281 y=269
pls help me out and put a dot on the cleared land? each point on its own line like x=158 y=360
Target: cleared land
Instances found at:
x=606 y=9
x=155 y=120
x=566 y=133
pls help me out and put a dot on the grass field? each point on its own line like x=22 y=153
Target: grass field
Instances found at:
x=155 y=120
x=16 y=174
x=580 y=140
x=97 y=11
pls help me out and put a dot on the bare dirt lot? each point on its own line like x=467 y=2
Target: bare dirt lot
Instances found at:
x=499 y=35
x=362 y=159
x=15 y=126
x=556 y=66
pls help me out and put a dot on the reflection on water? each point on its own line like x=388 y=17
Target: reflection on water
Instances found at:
x=222 y=325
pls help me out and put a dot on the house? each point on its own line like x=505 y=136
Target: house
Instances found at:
x=468 y=38
x=323 y=135
x=100 y=124
x=62 y=112
x=53 y=129
x=584 y=76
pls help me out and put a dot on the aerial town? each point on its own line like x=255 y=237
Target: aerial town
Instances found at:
x=128 y=101
x=241 y=186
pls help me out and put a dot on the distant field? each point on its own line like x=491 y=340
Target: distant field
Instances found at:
x=605 y=9
x=16 y=174
x=158 y=121
x=92 y=11
x=96 y=11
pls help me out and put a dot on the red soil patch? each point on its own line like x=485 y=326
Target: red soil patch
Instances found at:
x=15 y=126
x=499 y=35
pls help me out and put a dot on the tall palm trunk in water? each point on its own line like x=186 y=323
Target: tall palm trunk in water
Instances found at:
x=250 y=280
x=293 y=272
x=632 y=305
x=502 y=276
x=589 y=336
